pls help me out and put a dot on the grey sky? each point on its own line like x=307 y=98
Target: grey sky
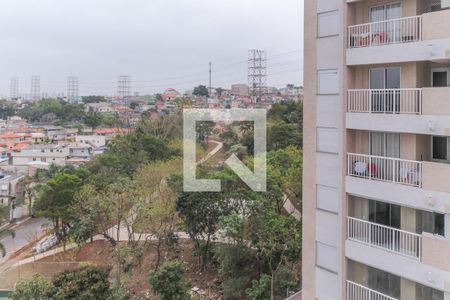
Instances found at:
x=150 y=40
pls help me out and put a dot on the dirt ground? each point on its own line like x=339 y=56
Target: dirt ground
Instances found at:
x=100 y=253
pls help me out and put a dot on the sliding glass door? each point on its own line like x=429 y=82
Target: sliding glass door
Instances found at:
x=384 y=32
x=384 y=84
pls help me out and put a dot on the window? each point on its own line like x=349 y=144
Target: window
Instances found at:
x=385 y=12
x=440 y=78
x=439 y=148
x=427 y=293
x=43 y=159
x=384 y=213
x=436 y=6
x=382 y=79
x=384 y=282
x=384 y=144
x=430 y=222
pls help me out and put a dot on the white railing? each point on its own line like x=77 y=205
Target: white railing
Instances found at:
x=385 y=32
x=407 y=172
x=389 y=238
x=389 y=101
x=359 y=292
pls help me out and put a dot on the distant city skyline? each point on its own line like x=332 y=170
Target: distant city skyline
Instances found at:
x=158 y=47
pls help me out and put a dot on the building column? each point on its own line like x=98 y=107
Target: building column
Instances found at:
x=407 y=289
x=447 y=226
x=446 y=296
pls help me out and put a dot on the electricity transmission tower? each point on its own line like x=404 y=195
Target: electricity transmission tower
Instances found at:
x=257 y=73
x=124 y=86
x=72 y=88
x=14 y=88
x=35 y=91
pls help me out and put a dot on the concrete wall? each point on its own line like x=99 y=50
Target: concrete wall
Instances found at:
x=435 y=251
x=325 y=78
x=436 y=25
x=309 y=150
x=435 y=176
x=435 y=101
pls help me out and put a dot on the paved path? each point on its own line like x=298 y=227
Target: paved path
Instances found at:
x=290 y=208
x=26 y=233
x=212 y=152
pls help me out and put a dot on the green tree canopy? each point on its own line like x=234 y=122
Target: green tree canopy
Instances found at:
x=200 y=90
x=168 y=282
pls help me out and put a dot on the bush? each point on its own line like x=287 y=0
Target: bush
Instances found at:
x=36 y=288
x=88 y=282
x=260 y=289
x=168 y=282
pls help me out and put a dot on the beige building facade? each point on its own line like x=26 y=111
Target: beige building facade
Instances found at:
x=376 y=182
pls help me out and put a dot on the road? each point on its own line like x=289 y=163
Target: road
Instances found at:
x=26 y=233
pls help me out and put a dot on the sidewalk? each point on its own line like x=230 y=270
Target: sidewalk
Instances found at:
x=15 y=224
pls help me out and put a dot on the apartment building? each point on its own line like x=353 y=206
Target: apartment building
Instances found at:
x=376 y=184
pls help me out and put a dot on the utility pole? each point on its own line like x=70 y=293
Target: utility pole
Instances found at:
x=209 y=87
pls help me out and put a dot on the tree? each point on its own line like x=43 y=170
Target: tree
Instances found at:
x=285 y=167
x=201 y=90
x=56 y=109
x=93 y=99
x=134 y=105
x=5 y=232
x=228 y=137
x=201 y=214
x=37 y=288
x=155 y=208
x=282 y=135
x=204 y=130
x=168 y=282
x=278 y=240
x=88 y=282
x=93 y=120
x=55 y=202
x=219 y=91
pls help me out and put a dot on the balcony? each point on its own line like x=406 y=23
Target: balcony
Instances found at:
x=414 y=38
x=389 y=101
x=387 y=169
x=420 y=111
x=388 y=238
x=394 y=31
x=359 y=292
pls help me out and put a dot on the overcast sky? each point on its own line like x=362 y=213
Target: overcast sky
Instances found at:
x=159 y=43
